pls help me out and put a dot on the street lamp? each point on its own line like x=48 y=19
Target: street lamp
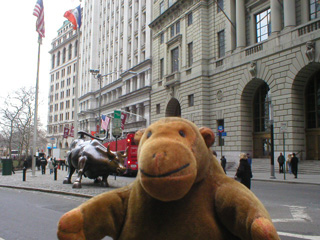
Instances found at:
x=272 y=175
x=96 y=74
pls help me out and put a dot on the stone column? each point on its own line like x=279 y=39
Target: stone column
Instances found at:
x=275 y=16
x=304 y=11
x=147 y=112
x=241 y=23
x=289 y=8
x=139 y=111
x=230 y=11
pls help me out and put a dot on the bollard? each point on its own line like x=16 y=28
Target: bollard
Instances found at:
x=24 y=174
x=55 y=174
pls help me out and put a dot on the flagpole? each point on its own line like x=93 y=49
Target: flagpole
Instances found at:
x=36 y=113
x=76 y=104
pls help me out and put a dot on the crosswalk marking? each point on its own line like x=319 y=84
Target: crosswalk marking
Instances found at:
x=298 y=215
x=299 y=236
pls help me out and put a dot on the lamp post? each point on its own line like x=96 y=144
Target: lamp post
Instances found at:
x=96 y=74
x=272 y=175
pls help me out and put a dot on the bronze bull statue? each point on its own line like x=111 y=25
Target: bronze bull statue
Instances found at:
x=93 y=160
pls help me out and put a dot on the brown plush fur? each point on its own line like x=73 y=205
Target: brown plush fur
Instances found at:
x=181 y=192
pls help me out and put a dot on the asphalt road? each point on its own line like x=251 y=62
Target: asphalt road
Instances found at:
x=294 y=208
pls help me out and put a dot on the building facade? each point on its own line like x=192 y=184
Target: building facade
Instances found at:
x=243 y=66
x=116 y=40
x=61 y=100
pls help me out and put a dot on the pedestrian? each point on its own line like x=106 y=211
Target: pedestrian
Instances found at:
x=294 y=165
x=43 y=164
x=244 y=172
x=25 y=164
x=288 y=163
x=281 y=161
x=50 y=164
x=223 y=161
x=249 y=159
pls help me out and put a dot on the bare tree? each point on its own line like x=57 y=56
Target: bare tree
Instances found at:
x=16 y=121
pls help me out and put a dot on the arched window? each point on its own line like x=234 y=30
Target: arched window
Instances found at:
x=313 y=101
x=76 y=49
x=53 y=60
x=64 y=55
x=261 y=109
x=70 y=52
x=58 y=59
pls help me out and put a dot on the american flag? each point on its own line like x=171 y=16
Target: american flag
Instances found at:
x=39 y=12
x=105 y=122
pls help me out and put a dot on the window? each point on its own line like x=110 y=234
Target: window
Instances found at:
x=53 y=60
x=261 y=109
x=190 y=100
x=190 y=19
x=158 y=108
x=70 y=52
x=220 y=122
x=220 y=5
x=76 y=49
x=58 y=59
x=312 y=99
x=190 y=54
x=170 y=2
x=172 y=31
x=263 y=25
x=161 y=7
x=161 y=68
x=161 y=38
x=178 y=27
x=64 y=55
x=314 y=9
x=175 y=59
x=221 y=44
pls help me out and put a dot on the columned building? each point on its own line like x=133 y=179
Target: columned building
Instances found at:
x=61 y=100
x=116 y=40
x=241 y=65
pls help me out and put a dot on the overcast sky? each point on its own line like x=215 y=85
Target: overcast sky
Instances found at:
x=19 y=46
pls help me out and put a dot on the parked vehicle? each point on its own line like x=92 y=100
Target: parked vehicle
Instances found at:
x=128 y=144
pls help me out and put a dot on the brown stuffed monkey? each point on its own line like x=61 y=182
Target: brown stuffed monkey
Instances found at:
x=181 y=192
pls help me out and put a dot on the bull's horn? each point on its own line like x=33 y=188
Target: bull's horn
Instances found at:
x=110 y=152
x=126 y=153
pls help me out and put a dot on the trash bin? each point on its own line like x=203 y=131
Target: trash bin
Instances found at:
x=6 y=166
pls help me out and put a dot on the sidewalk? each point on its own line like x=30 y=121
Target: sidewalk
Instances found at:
x=46 y=182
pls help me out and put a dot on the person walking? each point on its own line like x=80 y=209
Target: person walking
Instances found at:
x=249 y=159
x=43 y=164
x=223 y=161
x=50 y=164
x=281 y=161
x=244 y=171
x=294 y=165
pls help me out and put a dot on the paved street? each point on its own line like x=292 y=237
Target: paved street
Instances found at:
x=293 y=204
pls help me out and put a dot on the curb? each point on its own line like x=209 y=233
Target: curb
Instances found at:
x=48 y=191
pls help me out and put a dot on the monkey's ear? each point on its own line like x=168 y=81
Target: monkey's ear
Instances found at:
x=138 y=135
x=208 y=136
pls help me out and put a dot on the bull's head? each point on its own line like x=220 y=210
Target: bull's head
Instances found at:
x=117 y=159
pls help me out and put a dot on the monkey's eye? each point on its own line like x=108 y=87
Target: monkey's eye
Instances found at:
x=182 y=134
x=149 y=134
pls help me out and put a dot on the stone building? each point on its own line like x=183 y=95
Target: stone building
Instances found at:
x=61 y=98
x=239 y=64
x=116 y=40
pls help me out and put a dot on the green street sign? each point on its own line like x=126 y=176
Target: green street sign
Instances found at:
x=116 y=124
